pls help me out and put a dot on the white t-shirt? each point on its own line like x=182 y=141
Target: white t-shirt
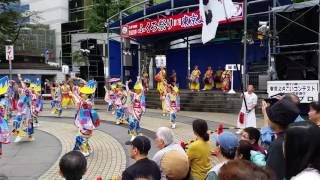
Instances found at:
x=217 y=167
x=307 y=174
x=158 y=156
x=251 y=100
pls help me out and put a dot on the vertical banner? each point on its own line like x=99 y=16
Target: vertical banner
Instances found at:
x=9 y=53
x=213 y=12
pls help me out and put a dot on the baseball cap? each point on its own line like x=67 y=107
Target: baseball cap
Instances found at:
x=141 y=143
x=227 y=140
x=283 y=112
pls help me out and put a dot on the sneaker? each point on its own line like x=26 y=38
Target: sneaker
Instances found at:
x=173 y=125
x=132 y=138
x=86 y=154
x=18 y=139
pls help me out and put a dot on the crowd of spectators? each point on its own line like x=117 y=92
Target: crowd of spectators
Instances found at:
x=286 y=148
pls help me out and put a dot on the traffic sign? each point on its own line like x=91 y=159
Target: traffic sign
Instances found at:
x=9 y=53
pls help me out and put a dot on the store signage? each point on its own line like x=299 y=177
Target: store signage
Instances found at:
x=178 y=22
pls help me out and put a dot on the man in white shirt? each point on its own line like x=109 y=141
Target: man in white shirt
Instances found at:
x=165 y=142
x=247 y=115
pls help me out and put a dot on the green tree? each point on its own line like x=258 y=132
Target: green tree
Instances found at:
x=101 y=11
x=9 y=19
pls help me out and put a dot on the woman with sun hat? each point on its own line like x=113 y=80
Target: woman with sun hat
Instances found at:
x=86 y=118
x=136 y=108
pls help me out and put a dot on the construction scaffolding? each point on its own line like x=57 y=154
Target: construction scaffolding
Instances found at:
x=277 y=46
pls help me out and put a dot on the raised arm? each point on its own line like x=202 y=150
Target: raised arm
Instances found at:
x=23 y=85
x=127 y=86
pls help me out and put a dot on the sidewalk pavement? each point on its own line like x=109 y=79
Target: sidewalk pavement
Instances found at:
x=153 y=119
x=107 y=160
x=229 y=119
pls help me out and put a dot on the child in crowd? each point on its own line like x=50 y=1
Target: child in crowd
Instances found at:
x=252 y=135
x=246 y=151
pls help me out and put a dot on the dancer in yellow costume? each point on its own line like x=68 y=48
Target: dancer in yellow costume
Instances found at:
x=208 y=79
x=160 y=78
x=67 y=100
x=218 y=79
x=161 y=87
x=194 y=79
x=226 y=78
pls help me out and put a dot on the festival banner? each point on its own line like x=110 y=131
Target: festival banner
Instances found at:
x=177 y=22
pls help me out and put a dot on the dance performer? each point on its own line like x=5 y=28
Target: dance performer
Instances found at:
x=110 y=97
x=160 y=78
x=194 y=79
x=13 y=96
x=37 y=102
x=23 y=125
x=4 y=129
x=173 y=78
x=120 y=104
x=226 y=78
x=75 y=85
x=145 y=81
x=208 y=79
x=66 y=98
x=217 y=78
x=86 y=118
x=56 y=95
x=173 y=104
x=136 y=108
x=161 y=87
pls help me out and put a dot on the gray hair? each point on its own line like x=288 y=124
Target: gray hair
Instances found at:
x=166 y=135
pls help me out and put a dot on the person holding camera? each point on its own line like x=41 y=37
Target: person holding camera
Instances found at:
x=247 y=115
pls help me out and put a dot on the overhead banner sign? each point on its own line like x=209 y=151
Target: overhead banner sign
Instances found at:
x=307 y=91
x=178 y=22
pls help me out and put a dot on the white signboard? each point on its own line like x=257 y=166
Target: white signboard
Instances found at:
x=307 y=91
x=161 y=61
x=9 y=53
x=72 y=74
x=232 y=67
x=65 y=69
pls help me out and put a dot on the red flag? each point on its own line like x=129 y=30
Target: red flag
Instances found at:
x=220 y=129
x=241 y=117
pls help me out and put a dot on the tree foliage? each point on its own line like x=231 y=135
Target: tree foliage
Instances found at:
x=9 y=19
x=101 y=11
x=78 y=59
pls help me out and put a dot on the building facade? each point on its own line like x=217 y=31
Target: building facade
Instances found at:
x=52 y=13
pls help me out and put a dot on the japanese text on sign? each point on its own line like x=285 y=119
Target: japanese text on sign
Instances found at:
x=307 y=91
x=172 y=23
